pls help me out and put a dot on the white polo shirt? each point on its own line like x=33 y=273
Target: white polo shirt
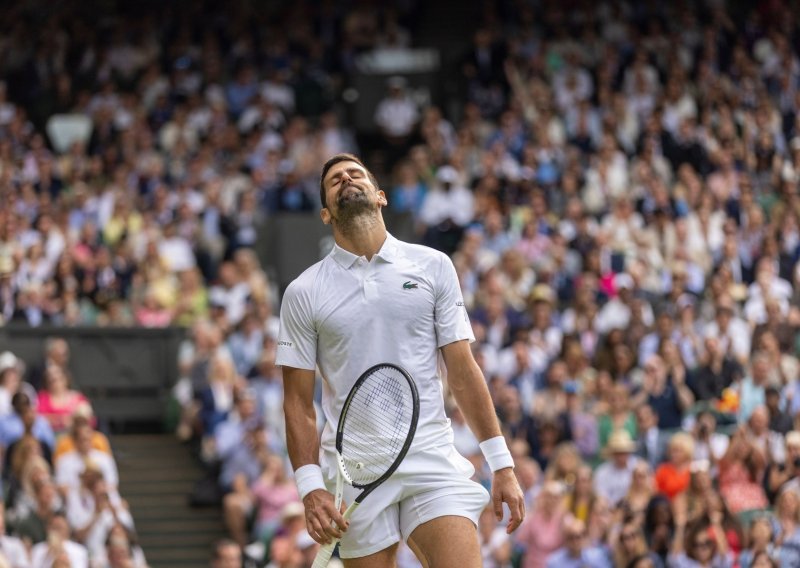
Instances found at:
x=345 y=314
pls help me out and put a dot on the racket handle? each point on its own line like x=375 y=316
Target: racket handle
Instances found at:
x=324 y=554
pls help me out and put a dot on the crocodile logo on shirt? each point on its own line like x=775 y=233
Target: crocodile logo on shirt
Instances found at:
x=410 y=285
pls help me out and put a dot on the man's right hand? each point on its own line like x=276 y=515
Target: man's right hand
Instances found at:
x=323 y=521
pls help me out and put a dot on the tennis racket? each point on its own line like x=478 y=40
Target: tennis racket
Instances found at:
x=375 y=430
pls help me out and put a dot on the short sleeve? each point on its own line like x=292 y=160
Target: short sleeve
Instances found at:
x=451 y=319
x=297 y=338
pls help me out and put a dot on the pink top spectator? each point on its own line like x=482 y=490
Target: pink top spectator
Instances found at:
x=541 y=537
x=272 y=499
x=59 y=413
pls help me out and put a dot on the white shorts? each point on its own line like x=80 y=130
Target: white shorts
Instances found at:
x=428 y=484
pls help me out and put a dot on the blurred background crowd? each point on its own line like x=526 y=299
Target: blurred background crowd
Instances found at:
x=616 y=183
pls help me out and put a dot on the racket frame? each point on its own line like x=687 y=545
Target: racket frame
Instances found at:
x=325 y=552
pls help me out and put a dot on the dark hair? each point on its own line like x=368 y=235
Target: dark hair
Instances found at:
x=637 y=559
x=344 y=157
x=20 y=401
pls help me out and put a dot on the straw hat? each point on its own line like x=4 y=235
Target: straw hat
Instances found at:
x=620 y=442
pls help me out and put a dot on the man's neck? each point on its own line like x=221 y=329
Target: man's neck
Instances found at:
x=364 y=236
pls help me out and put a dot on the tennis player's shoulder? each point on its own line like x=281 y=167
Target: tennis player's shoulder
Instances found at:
x=423 y=254
x=309 y=279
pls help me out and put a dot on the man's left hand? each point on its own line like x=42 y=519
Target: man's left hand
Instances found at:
x=506 y=489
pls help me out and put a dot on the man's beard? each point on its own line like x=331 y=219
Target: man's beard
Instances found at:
x=352 y=205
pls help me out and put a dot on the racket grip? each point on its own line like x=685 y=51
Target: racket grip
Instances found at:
x=324 y=555
x=326 y=551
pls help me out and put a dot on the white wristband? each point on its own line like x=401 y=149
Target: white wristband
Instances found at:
x=309 y=478
x=496 y=453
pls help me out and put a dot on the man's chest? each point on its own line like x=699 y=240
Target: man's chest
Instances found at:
x=377 y=296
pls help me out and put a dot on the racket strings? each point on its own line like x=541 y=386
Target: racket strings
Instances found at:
x=376 y=425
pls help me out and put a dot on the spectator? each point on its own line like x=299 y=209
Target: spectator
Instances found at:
x=66 y=443
x=672 y=478
x=780 y=421
x=58 y=402
x=704 y=545
x=666 y=392
x=72 y=464
x=56 y=353
x=716 y=373
x=652 y=444
x=12 y=548
x=33 y=526
x=446 y=210
x=396 y=115
x=93 y=511
x=217 y=398
x=226 y=554
x=25 y=419
x=741 y=465
x=613 y=478
x=769 y=443
x=753 y=388
x=640 y=493
x=761 y=541
x=58 y=546
x=619 y=416
x=787 y=509
x=631 y=547
x=784 y=474
x=659 y=526
x=710 y=444
x=122 y=551
x=540 y=533
x=576 y=552
x=242 y=448
x=272 y=491
x=246 y=343
x=11 y=382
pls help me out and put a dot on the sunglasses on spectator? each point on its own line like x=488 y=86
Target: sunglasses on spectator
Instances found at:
x=628 y=535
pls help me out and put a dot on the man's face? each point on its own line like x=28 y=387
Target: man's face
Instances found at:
x=620 y=459
x=61 y=352
x=349 y=192
x=574 y=539
x=645 y=418
x=83 y=440
x=229 y=557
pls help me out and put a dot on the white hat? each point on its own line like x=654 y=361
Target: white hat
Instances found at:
x=447 y=174
x=8 y=360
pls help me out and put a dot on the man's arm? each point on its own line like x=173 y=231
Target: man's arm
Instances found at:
x=469 y=389
x=302 y=442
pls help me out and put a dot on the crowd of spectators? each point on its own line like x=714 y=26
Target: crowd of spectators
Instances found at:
x=60 y=500
x=618 y=192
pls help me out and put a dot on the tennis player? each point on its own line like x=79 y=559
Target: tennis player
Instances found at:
x=375 y=299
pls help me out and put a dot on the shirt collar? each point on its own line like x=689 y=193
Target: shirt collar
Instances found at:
x=346 y=259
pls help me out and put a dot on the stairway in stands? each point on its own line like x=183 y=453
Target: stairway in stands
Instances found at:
x=156 y=475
